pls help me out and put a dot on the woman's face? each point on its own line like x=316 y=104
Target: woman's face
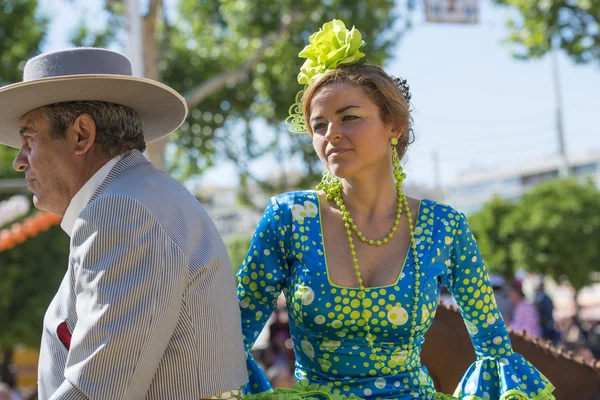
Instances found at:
x=348 y=134
x=514 y=296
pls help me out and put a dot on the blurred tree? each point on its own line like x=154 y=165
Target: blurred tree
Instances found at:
x=31 y=273
x=495 y=234
x=7 y=155
x=21 y=33
x=571 y=25
x=237 y=249
x=557 y=230
x=236 y=62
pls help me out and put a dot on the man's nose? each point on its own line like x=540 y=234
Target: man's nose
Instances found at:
x=20 y=163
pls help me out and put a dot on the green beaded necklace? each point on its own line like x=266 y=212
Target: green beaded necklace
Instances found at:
x=333 y=190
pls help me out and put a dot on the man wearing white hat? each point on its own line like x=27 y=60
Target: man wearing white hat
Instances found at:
x=147 y=308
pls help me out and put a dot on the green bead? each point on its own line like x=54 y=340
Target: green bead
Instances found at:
x=371 y=241
x=378 y=243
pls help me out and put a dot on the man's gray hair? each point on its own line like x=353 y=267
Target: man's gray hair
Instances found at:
x=118 y=128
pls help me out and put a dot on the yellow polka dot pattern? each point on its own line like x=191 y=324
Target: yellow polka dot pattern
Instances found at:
x=327 y=322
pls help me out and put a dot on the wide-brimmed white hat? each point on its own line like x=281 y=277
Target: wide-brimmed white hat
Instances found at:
x=90 y=74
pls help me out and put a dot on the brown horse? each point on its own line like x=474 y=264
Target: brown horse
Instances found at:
x=447 y=353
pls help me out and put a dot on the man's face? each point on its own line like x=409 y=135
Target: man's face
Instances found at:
x=45 y=161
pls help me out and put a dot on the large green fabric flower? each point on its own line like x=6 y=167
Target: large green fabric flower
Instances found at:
x=302 y=391
x=331 y=46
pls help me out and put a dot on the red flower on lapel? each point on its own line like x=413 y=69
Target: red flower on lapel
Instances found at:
x=64 y=335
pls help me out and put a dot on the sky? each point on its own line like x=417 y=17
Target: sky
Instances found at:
x=475 y=106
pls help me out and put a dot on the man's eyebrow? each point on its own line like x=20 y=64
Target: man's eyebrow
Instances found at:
x=341 y=110
x=29 y=125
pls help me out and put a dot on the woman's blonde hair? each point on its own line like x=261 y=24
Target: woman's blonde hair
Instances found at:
x=377 y=84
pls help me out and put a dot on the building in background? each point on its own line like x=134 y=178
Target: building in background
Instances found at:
x=472 y=190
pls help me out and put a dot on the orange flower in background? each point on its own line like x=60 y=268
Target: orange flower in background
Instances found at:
x=19 y=232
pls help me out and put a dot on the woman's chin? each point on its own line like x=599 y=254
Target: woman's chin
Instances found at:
x=342 y=171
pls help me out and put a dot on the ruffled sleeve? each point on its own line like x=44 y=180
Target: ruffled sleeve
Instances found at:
x=261 y=279
x=498 y=373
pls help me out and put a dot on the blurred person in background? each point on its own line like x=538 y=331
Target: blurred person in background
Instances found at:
x=525 y=316
x=5 y=392
x=8 y=393
x=502 y=298
x=545 y=308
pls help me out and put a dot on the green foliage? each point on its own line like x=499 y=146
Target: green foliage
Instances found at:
x=553 y=230
x=302 y=390
x=21 y=32
x=31 y=273
x=215 y=37
x=7 y=156
x=209 y=38
x=571 y=25
x=557 y=230
x=495 y=235
x=237 y=249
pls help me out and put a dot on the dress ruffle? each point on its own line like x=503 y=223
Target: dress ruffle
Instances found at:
x=511 y=377
x=302 y=391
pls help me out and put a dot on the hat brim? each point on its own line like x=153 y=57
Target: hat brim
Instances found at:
x=161 y=108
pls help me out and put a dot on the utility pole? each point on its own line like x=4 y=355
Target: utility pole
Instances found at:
x=437 y=176
x=564 y=167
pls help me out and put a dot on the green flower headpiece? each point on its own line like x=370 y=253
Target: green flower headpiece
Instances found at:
x=333 y=45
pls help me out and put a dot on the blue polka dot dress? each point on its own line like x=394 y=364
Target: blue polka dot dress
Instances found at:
x=327 y=329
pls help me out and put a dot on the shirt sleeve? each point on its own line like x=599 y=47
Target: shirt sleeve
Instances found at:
x=129 y=283
x=498 y=371
x=261 y=279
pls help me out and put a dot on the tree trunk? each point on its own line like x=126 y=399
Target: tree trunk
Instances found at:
x=155 y=150
x=6 y=371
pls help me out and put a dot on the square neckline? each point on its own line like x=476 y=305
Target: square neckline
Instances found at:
x=367 y=288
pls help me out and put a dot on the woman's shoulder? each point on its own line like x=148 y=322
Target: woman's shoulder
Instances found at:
x=289 y=199
x=439 y=210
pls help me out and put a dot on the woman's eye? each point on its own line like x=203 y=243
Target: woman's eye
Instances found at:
x=349 y=117
x=317 y=127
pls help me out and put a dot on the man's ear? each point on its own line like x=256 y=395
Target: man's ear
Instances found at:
x=83 y=134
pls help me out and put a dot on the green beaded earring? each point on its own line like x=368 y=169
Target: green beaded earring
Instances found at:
x=398 y=170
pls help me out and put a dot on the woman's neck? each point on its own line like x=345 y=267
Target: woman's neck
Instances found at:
x=370 y=197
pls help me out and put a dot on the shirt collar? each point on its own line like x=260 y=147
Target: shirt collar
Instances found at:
x=83 y=196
